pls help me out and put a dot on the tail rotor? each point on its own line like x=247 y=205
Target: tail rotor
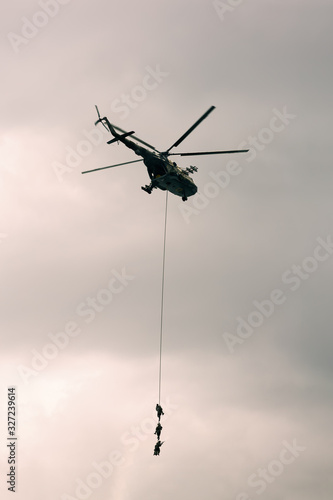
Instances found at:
x=100 y=120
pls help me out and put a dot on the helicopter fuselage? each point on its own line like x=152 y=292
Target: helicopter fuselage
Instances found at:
x=164 y=173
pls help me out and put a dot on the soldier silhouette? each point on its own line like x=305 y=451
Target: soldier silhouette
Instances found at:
x=160 y=411
x=158 y=430
x=157 y=448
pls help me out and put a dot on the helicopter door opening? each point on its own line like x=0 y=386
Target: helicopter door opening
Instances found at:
x=159 y=170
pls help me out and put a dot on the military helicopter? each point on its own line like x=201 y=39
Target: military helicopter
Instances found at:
x=164 y=173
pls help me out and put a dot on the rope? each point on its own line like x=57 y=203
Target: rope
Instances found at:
x=162 y=299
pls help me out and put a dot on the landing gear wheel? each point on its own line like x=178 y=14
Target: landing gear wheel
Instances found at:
x=184 y=198
x=147 y=189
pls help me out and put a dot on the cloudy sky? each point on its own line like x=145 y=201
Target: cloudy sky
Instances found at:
x=247 y=341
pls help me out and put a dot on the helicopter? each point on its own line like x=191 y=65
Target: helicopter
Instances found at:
x=164 y=174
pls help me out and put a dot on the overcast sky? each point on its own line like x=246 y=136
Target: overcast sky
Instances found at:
x=247 y=340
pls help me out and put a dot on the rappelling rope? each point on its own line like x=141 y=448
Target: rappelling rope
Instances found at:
x=162 y=299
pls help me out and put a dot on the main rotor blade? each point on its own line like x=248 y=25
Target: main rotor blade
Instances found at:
x=110 y=166
x=134 y=137
x=191 y=128
x=210 y=152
